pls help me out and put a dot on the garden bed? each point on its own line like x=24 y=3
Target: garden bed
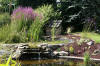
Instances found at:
x=79 y=48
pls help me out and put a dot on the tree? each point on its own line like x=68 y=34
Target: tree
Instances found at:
x=78 y=12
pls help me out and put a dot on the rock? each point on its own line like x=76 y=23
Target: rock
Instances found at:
x=61 y=53
x=2 y=52
x=90 y=43
x=96 y=52
x=42 y=45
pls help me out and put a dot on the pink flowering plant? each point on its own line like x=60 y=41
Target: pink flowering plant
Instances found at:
x=21 y=20
x=26 y=13
x=27 y=24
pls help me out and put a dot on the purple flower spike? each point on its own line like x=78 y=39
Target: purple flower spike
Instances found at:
x=26 y=13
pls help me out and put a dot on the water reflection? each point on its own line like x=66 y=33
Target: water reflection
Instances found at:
x=50 y=62
x=55 y=62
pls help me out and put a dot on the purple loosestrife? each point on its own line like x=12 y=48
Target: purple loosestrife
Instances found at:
x=26 y=13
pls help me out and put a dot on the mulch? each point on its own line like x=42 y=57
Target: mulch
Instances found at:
x=79 y=50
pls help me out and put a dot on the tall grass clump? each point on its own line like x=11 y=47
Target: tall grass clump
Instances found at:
x=22 y=18
x=53 y=33
x=4 y=19
x=4 y=26
x=46 y=13
x=89 y=25
x=86 y=59
x=4 y=33
x=17 y=30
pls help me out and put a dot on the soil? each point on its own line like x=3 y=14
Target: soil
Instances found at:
x=79 y=50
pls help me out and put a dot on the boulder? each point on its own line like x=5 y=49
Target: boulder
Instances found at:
x=90 y=43
x=96 y=52
x=61 y=53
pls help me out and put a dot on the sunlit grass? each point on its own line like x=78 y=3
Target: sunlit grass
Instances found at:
x=91 y=35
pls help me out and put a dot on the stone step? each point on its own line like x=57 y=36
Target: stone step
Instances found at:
x=34 y=52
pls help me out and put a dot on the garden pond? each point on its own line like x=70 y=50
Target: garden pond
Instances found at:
x=55 y=62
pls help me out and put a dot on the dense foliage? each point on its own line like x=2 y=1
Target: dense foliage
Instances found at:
x=4 y=19
x=26 y=24
x=7 y=5
x=34 y=3
x=79 y=12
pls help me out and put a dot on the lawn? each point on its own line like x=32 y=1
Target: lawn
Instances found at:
x=91 y=35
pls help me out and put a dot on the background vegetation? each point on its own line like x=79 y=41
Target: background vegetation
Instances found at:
x=78 y=15
x=26 y=24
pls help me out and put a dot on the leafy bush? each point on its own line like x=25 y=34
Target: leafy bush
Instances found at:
x=4 y=19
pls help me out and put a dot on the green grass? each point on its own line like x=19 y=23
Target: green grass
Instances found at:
x=91 y=35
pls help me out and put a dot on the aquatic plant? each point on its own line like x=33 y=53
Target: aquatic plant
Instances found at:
x=86 y=58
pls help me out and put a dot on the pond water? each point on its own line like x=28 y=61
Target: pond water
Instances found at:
x=55 y=62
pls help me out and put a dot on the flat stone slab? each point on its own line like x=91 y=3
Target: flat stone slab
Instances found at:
x=78 y=58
